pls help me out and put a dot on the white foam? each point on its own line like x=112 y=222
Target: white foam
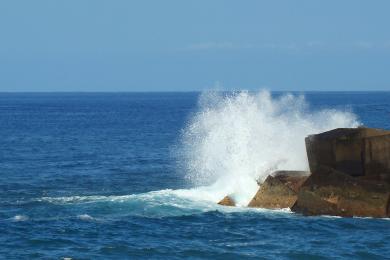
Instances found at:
x=330 y=216
x=160 y=203
x=19 y=218
x=85 y=217
x=235 y=139
x=83 y=199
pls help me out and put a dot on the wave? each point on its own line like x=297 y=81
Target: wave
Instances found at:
x=232 y=141
x=20 y=218
x=162 y=203
x=85 y=217
x=236 y=139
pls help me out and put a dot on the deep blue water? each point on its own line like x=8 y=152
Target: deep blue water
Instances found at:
x=96 y=176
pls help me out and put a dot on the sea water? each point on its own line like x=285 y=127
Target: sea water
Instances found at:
x=138 y=175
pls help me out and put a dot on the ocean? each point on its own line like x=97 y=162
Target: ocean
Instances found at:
x=139 y=175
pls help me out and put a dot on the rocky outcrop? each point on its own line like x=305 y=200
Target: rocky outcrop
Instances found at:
x=331 y=192
x=350 y=174
x=279 y=190
x=359 y=152
x=227 y=201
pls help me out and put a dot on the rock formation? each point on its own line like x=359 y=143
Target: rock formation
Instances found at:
x=227 y=201
x=358 y=152
x=350 y=174
x=279 y=190
x=331 y=192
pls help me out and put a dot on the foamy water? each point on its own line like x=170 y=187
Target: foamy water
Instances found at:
x=162 y=203
x=19 y=218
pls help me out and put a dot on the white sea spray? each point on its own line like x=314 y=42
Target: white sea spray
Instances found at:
x=237 y=138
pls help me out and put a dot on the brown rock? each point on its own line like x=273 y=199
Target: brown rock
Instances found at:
x=227 y=201
x=358 y=152
x=279 y=190
x=350 y=174
x=330 y=192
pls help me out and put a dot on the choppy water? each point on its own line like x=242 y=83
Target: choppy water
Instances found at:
x=114 y=176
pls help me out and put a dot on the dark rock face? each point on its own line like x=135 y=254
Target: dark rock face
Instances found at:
x=279 y=190
x=330 y=192
x=227 y=201
x=350 y=174
x=358 y=152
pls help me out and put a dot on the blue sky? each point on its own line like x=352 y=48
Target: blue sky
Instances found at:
x=178 y=45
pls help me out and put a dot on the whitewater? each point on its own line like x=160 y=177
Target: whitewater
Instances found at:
x=235 y=140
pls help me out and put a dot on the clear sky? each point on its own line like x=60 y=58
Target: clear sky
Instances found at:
x=184 y=45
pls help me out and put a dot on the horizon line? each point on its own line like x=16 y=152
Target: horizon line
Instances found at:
x=174 y=91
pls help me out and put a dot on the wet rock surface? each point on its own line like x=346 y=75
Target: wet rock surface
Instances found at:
x=227 y=201
x=358 y=152
x=279 y=190
x=331 y=192
x=350 y=174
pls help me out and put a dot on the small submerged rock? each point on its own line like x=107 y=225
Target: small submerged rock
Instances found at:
x=227 y=201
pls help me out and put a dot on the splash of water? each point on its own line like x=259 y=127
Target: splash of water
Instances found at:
x=235 y=139
x=231 y=141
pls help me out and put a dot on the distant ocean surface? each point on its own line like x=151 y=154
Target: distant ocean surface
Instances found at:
x=133 y=175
